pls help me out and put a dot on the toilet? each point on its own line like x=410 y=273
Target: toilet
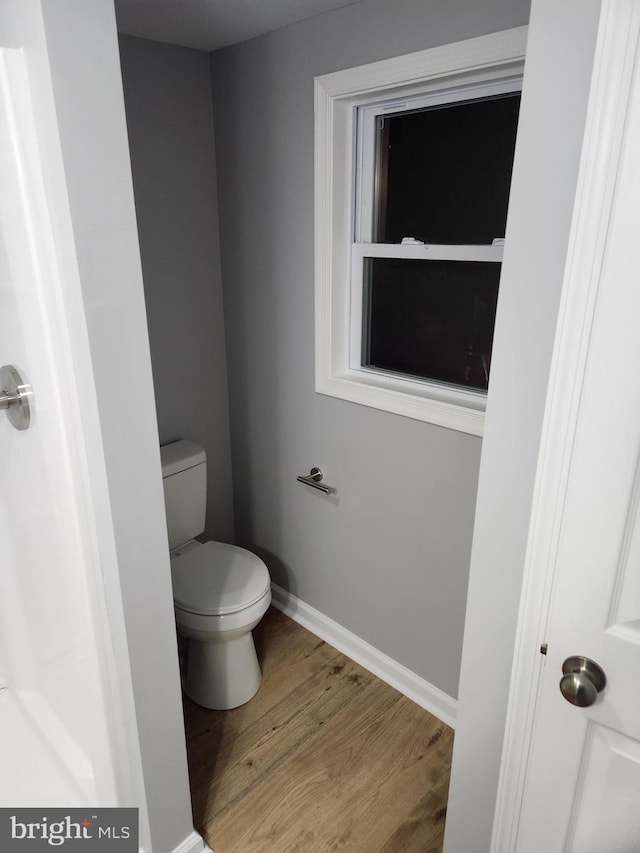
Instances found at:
x=220 y=592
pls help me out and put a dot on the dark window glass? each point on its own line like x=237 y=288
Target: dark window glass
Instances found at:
x=444 y=172
x=430 y=319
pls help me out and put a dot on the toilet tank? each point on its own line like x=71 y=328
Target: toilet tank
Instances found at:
x=184 y=477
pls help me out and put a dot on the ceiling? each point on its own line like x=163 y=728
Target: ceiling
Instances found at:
x=211 y=24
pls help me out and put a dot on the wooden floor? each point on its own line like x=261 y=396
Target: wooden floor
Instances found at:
x=325 y=757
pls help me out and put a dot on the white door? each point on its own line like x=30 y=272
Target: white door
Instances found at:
x=571 y=777
x=62 y=727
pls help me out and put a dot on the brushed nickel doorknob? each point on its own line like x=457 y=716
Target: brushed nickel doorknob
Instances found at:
x=15 y=395
x=582 y=680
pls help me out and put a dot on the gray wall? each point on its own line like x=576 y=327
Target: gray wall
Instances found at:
x=170 y=124
x=388 y=557
x=556 y=86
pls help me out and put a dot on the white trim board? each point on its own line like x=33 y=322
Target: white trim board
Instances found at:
x=429 y=697
x=597 y=205
x=193 y=843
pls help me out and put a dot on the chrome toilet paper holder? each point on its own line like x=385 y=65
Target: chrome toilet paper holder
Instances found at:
x=314 y=479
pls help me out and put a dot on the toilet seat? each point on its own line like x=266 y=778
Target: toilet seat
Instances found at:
x=215 y=579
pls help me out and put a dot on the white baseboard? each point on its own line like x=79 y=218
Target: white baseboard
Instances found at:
x=193 y=843
x=388 y=670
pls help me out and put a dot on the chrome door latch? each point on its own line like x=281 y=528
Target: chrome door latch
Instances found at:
x=14 y=397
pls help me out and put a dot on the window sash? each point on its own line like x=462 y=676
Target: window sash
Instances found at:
x=366 y=192
x=367 y=133
x=426 y=252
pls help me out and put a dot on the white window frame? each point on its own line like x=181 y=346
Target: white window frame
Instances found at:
x=341 y=239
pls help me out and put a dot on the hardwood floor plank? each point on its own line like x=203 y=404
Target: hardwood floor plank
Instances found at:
x=422 y=831
x=378 y=786
x=325 y=757
x=295 y=720
x=293 y=796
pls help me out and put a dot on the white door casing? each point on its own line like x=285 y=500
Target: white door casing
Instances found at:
x=571 y=776
x=67 y=725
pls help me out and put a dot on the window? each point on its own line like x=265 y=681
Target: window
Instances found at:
x=413 y=168
x=435 y=174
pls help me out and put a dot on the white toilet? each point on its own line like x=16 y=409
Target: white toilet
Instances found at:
x=220 y=592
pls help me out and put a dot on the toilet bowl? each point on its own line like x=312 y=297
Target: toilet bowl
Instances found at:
x=220 y=591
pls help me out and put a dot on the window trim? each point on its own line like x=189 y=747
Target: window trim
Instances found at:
x=486 y=58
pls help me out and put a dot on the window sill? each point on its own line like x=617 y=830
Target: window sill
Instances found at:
x=440 y=405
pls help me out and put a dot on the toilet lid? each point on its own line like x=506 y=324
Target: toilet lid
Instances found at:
x=215 y=579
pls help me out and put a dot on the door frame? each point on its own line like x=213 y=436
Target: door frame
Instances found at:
x=71 y=52
x=25 y=77
x=616 y=51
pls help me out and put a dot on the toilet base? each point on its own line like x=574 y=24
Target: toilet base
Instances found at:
x=222 y=674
